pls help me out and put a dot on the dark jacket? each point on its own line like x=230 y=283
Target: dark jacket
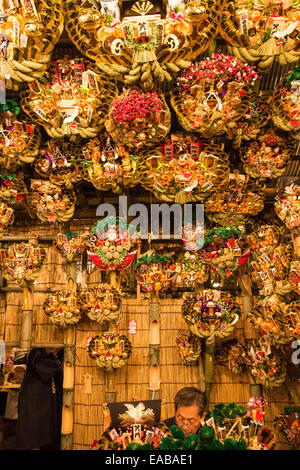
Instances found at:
x=40 y=401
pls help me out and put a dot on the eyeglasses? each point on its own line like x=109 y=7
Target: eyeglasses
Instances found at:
x=190 y=422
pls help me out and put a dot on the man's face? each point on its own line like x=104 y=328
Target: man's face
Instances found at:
x=188 y=419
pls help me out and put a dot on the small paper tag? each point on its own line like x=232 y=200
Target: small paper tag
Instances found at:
x=16 y=32
x=132 y=327
x=29 y=7
x=3 y=45
x=87 y=385
x=23 y=40
x=40 y=113
x=72 y=116
x=113 y=434
x=56 y=87
x=207 y=186
x=90 y=113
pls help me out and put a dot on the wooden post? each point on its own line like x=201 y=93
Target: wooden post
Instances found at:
x=69 y=371
x=111 y=377
x=154 y=347
x=26 y=321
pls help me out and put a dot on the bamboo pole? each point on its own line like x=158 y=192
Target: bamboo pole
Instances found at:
x=26 y=320
x=68 y=371
x=111 y=377
x=154 y=347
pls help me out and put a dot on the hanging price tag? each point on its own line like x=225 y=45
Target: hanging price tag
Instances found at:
x=87 y=384
x=132 y=327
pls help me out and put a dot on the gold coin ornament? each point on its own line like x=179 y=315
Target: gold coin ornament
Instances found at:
x=138 y=118
x=287 y=206
x=70 y=245
x=111 y=244
x=50 y=202
x=19 y=137
x=64 y=308
x=266 y=363
x=109 y=350
x=7 y=217
x=71 y=99
x=102 y=303
x=285 y=103
x=237 y=202
x=140 y=42
x=188 y=347
x=21 y=262
x=154 y=273
x=106 y=165
x=267 y=156
x=29 y=31
x=183 y=169
x=56 y=163
x=211 y=314
x=266 y=32
x=213 y=94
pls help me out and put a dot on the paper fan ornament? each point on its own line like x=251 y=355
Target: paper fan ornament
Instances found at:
x=188 y=347
x=110 y=350
x=64 y=308
x=19 y=137
x=7 y=217
x=107 y=166
x=210 y=314
x=110 y=244
x=70 y=100
x=183 y=169
x=143 y=43
x=234 y=205
x=266 y=156
x=154 y=273
x=70 y=245
x=267 y=365
x=265 y=33
x=51 y=202
x=138 y=118
x=28 y=31
x=225 y=250
x=56 y=162
x=285 y=103
x=21 y=262
x=102 y=303
x=212 y=94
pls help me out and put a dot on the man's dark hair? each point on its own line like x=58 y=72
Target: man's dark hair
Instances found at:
x=189 y=396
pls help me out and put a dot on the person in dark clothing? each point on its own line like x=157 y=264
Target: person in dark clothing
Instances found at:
x=190 y=404
x=40 y=401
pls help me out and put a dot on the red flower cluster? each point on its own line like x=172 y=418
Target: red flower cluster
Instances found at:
x=136 y=104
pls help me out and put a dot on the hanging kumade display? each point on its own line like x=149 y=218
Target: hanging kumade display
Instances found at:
x=64 y=308
x=19 y=137
x=138 y=118
x=286 y=103
x=250 y=125
x=193 y=269
x=267 y=365
x=267 y=155
x=145 y=42
x=70 y=100
x=188 y=347
x=102 y=303
x=212 y=94
x=50 y=202
x=70 y=245
x=110 y=243
x=12 y=187
x=7 y=217
x=225 y=250
x=154 y=273
x=21 y=262
x=288 y=423
x=294 y=276
x=183 y=169
x=266 y=32
x=292 y=318
x=211 y=314
x=287 y=207
x=56 y=162
x=29 y=31
x=110 y=350
x=268 y=315
x=107 y=166
x=234 y=205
